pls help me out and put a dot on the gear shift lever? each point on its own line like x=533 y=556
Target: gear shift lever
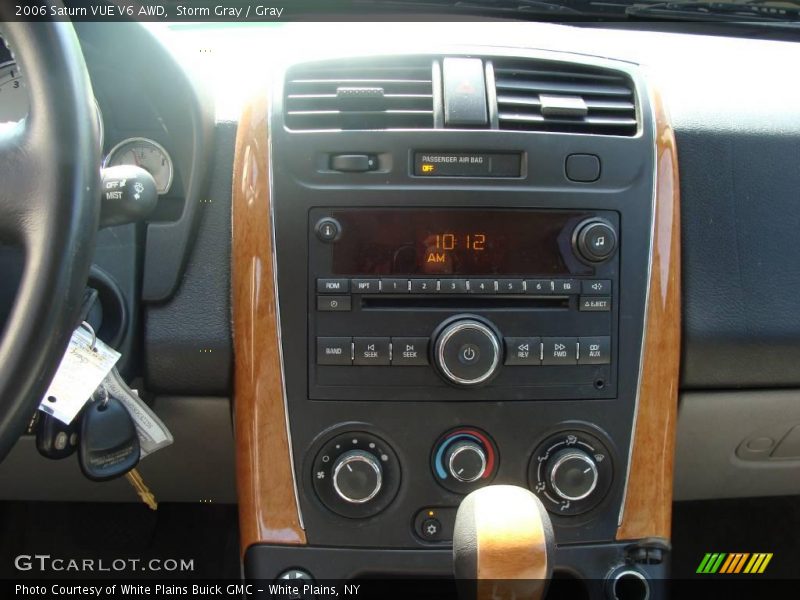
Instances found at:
x=503 y=545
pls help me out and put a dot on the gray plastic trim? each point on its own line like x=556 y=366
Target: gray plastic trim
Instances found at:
x=711 y=428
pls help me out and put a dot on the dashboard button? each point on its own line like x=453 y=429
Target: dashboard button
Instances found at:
x=371 y=351
x=596 y=287
x=354 y=163
x=334 y=351
x=328 y=229
x=510 y=286
x=333 y=286
x=409 y=351
x=595 y=240
x=453 y=286
x=594 y=303
x=482 y=286
x=566 y=286
x=430 y=529
x=365 y=286
x=594 y=350
x=523 y=350
x=333 y=303
x=539 y=286
x=583 y=168
x=467 y=352
x=394 y=286
x=559 y=351
x=423 y=286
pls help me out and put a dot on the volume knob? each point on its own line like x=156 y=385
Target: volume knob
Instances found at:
x=357 y=476
x=467 y=352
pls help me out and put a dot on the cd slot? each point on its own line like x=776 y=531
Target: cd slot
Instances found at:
x=486 y=302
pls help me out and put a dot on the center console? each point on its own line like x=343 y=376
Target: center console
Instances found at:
x=443 y=280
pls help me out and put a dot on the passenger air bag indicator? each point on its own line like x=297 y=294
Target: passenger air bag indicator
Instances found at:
x=467 y=164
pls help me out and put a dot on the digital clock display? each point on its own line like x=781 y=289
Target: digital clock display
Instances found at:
x=456 y=242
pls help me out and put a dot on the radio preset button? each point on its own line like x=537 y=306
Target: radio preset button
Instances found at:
x=333 y=286
x=523 y=351
x=365 y=286
x=333 y=303
x=560 y=351
x=481 y=286
x=453 y=286
x=594 y=303
x=510 y=286
x=336 y=351
x=540 y=286
x=594 y=350
x=596 y=287
x=371 y=351
x=423 y=286
x=394 y=286
x=409 y=351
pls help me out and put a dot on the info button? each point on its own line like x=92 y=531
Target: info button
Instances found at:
x=409 y=351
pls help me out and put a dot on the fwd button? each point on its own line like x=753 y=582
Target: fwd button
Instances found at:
x=409 y=351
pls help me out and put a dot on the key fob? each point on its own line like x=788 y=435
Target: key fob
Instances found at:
x=109 y=445
x=54 y=439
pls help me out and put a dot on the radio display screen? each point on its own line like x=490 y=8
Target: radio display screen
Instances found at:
x=456 y=242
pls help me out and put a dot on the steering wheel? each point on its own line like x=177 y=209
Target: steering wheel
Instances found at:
x=49 y=204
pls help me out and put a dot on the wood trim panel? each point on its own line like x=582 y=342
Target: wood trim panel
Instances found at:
x=267 y=503
x=647 y=510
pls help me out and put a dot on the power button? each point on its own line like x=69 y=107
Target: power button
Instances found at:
x=469 y=354
x=467 y=351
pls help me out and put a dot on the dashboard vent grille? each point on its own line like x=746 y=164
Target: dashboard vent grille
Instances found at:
x=385 y=94
x=544 y=96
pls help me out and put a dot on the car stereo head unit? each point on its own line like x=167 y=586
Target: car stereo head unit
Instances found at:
x=461 y=304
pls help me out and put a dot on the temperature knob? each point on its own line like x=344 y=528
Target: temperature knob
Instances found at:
x=466 y=461
x=573 y=474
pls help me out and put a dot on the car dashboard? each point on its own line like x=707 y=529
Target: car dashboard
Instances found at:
x=395 y=269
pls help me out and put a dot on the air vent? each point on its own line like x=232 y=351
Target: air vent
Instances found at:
x=379 y=94
x=545 y=96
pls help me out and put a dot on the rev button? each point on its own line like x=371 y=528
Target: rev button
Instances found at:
x=409 y=351
x=523 y=351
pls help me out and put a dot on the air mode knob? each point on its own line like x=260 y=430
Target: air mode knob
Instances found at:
x=573 y=474
x=357 y=476
x=467 y=351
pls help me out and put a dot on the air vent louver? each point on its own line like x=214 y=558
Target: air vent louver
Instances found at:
x=545 y=96
x=378 y=94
